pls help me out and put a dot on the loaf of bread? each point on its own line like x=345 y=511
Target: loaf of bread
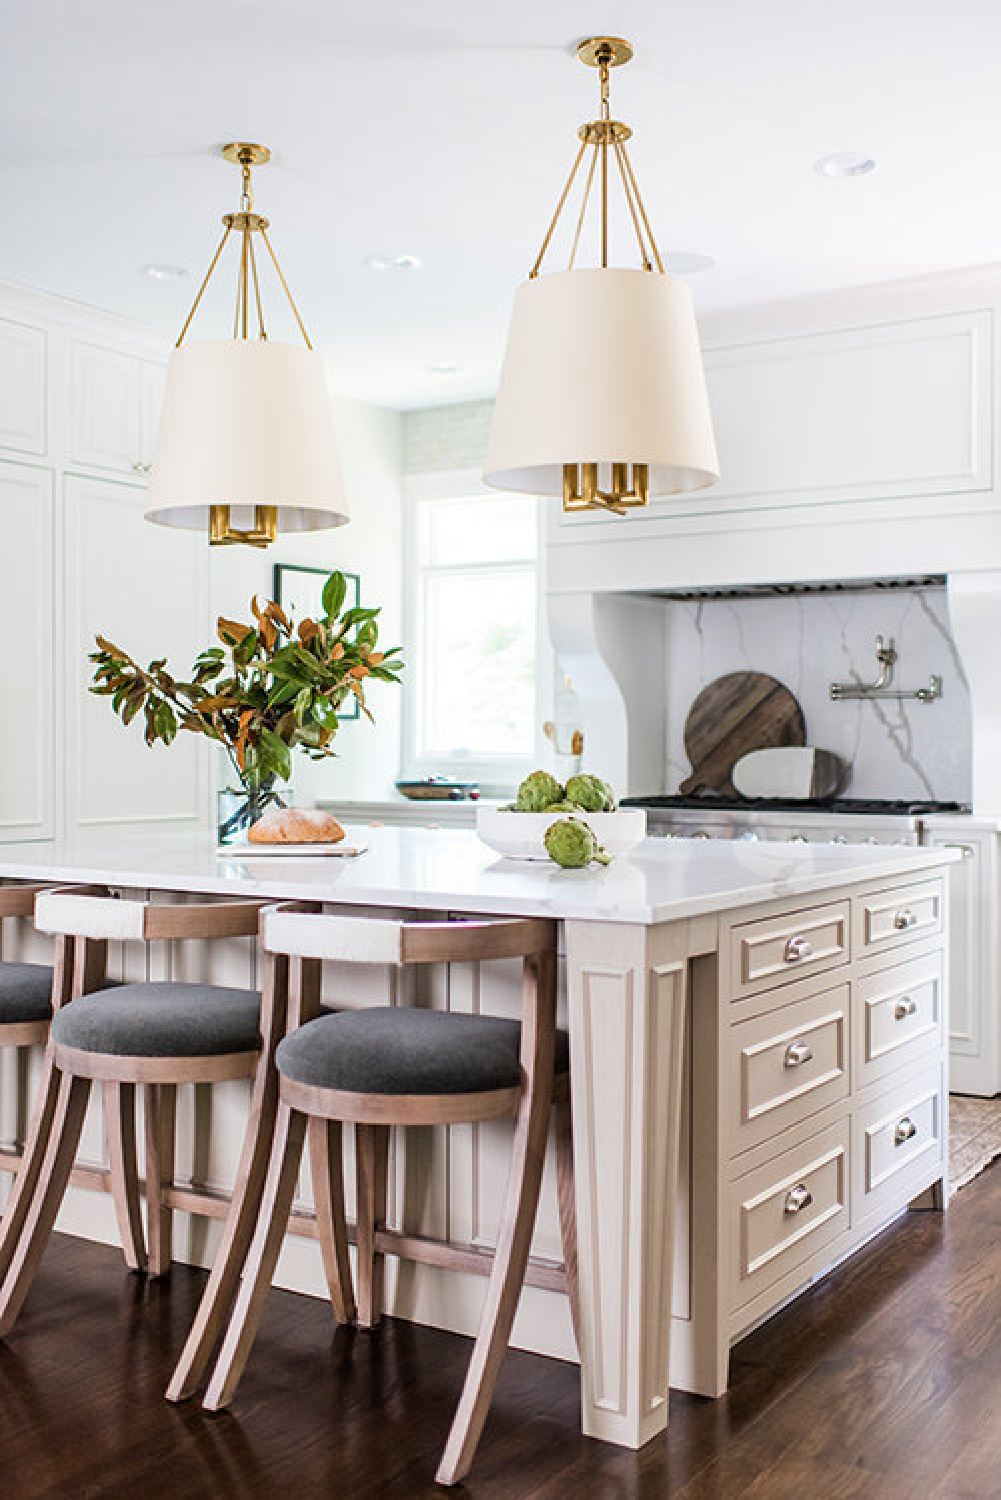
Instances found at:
x=295 y=825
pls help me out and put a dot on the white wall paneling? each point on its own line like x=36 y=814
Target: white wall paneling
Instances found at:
x=23 y=370
x=104 y=407
x=146 y=589
x=831 y=417
x=27 y=751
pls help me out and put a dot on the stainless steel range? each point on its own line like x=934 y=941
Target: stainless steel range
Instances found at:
x=840 y=820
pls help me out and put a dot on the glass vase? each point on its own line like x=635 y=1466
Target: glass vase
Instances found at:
x=240 y=806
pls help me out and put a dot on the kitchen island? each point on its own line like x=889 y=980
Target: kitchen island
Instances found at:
x=770 y=1017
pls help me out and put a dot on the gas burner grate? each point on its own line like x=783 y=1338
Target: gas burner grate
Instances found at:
x=889 y=807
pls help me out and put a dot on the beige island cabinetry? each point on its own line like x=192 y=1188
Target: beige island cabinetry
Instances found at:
x=757 y=1060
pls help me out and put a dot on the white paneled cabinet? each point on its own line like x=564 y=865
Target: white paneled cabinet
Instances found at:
x=145 y=588
x=975 y=962
x=114 y=406
x=80 y=398
x=27 y=724
x=23 y=362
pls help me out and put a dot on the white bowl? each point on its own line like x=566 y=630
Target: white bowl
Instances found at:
x=521 y=835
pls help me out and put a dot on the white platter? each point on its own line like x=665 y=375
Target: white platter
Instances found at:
x=289 y=851
x=521 y=835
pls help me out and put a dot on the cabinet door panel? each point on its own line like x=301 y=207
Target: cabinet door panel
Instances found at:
x=26 y=751
x=103 y=408
x=22 y=387
x=145 y=588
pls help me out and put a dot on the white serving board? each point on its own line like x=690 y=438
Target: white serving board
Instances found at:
x=288 y=851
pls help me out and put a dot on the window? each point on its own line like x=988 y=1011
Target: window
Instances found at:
x=474 y=627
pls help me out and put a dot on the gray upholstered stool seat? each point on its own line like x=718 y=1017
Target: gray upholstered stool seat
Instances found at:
x=389 y=1050
x=25 y=992
x=162 y=1020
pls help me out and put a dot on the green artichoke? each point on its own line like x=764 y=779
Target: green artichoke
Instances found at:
x=570 y=807
x=570 y=842
x=538 y=791
x=591 y=793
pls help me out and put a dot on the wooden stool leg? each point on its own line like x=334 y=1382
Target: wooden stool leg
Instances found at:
x=504 y=1288
x=568 y=1207
x=276 y=1203
x=26 y=1181
x=220 y=1289
x=120 y=1137
x=161 y=1115
x=53 y=1175
x=372 y=1158
x=327 y=1167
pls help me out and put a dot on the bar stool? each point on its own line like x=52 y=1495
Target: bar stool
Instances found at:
x=383 y=1066
x=154 y=1035
x=25 y=1016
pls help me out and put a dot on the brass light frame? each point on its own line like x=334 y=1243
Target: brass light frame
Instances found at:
x=247 y=223
x=606 y=138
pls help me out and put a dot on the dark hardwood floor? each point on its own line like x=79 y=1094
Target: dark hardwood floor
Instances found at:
x=882 y=1383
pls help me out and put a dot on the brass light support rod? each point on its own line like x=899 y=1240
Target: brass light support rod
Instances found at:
x=246 y=155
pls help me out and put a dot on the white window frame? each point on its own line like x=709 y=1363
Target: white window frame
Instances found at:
x=499 y=774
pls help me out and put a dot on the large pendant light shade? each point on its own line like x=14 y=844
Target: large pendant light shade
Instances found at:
x=246 y=423
x=602 y=366
x=602 y=396
x=245 y=447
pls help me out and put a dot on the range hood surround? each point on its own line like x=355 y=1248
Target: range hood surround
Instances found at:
x=896 y=387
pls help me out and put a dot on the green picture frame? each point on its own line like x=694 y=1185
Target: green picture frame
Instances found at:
x=298 y=590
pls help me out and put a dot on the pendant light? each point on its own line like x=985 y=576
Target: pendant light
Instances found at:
x=245 y=446
x=602 y=396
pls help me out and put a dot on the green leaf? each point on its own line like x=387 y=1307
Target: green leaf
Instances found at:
x=334 y=591
x=303 y=704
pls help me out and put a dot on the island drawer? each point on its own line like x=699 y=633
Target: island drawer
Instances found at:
x=900 y=1135
x=778 y=949
x=786 y=1065
x=900 y=1016
x=787 y=1210
x=888 y=919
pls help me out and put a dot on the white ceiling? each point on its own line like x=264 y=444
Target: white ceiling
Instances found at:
x=444 y=129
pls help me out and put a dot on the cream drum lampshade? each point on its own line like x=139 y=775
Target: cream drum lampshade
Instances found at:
x=246 y=423
x=602 y=366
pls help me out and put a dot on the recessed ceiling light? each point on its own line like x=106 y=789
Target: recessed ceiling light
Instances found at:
x=164 y=273
x=845 y=164
x=443 y=367
x=688 y=262
x=392 y=262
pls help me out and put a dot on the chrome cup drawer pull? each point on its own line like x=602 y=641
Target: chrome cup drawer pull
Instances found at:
x=797 y=948
x=905 y=1130
x=904 y=1007
x=797 y=1199
x=904 y=919
x=797 y=1053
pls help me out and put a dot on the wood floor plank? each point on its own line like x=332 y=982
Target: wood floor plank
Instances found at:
x=881 y=1383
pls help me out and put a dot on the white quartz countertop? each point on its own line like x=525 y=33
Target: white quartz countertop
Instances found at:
x=449 y=869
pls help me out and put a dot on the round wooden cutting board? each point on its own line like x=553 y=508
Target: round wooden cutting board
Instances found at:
x=734 y=714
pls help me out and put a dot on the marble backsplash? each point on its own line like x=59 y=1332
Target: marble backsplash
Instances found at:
x=895 y=748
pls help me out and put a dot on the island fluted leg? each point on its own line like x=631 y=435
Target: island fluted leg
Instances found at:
x=627 y=996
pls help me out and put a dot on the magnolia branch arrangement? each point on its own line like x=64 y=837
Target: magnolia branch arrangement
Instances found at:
x=267 y=689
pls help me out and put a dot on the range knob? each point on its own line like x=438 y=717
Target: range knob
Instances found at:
x=839 y=838
x=749 y=836
x=797 y=838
